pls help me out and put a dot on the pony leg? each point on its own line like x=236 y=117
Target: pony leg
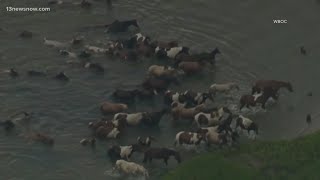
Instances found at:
x=155 y=91
x=113 y=170
x=242 y=105
x=253 y=90
x=145 y=159
x=208 y=144
x=166 y=161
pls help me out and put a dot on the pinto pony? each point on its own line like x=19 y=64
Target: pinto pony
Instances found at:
x=261 y=98
x=189 y=138
x=246 y=124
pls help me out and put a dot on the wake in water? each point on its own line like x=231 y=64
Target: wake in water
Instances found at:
x=117 y=175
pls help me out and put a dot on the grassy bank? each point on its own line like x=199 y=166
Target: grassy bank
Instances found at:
x=295 y=159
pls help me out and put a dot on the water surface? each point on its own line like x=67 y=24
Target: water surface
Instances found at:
x=252 y=46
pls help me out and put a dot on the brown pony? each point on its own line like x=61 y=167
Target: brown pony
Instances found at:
x=161 y=153
x=158 y=84
x=276 y=85
x=112 y=108
x=200 y=57
x=43 y=138
x=191 y=67
x=144 y=50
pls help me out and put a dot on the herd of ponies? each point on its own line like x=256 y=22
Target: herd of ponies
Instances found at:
x=217 y=126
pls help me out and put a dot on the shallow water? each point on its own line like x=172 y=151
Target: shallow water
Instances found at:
x=252 y=46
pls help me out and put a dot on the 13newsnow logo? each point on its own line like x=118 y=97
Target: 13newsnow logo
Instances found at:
x=280 y=21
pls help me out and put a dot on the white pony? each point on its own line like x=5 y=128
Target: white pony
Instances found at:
x=95 y=49
x=56 y=44
x=223 y=88
x=130 y=168
x=126 y=151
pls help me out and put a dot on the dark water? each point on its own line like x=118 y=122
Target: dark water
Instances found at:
x=252 y=46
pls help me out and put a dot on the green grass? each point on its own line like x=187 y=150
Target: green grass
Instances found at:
x=297 y=159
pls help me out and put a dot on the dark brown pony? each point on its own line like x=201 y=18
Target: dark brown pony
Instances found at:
x=161 y=153
x=207 y=56
x=25 y=34
x=144 y=50
x=145 y=93
x=200 y=57
x=276 y=85
x=191 y=67
x=153 y=118
x=158 y=84
x=125 y=94
x=121 y=26
x=8 y=125
x=249 y=100
x=43 y=138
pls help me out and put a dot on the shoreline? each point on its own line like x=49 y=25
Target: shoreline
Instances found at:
x=284 y=159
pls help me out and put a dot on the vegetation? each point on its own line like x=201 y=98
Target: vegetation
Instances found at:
x=295 y=160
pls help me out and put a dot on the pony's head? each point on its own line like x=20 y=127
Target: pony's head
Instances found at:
x=235 y=86
x=255 y=89
x=185 y=50
x=254 y=127
x=161 y=53
x=215 y=51
x=289 y=87
x=207 y=96
x=147 y=41
x=133 y=22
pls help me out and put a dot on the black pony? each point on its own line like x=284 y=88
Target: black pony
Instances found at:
x=161 y=153
x=121 y=26
x=153 y=118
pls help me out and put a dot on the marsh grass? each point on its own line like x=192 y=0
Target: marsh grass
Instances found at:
x=294 y=159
